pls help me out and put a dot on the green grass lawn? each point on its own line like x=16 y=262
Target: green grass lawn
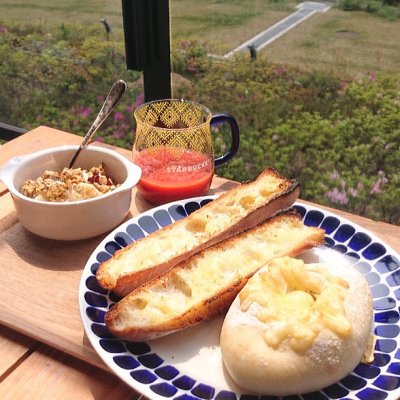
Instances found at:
x=348 y=42
x=50 y=12
x=225 y=24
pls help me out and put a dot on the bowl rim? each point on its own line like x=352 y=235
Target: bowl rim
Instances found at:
x=7 y=172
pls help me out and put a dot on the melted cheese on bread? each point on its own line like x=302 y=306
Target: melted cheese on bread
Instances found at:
x=232 y=212
x=204 y=285
x=296 y=301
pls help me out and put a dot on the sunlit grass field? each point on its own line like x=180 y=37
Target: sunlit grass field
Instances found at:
x=347 y=42
x=54 y=12
x=340 y=41
x=225 y=24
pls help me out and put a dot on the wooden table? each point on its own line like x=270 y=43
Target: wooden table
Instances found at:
x=44 y=353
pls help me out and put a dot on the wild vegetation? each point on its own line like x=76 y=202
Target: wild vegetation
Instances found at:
x=338 y=135
x=336 y=131
x=388 y=9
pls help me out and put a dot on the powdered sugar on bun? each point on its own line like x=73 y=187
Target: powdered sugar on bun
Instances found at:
x=296 y=328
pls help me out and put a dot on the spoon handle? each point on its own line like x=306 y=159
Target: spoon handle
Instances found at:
x=110 y=102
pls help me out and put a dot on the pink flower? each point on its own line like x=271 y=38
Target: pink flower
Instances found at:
x=334 y=175
x=376 y=187
x=118 y=134
x=139 y=100
x=352 y=192
x=343 y=84
x=372 y=76
x=338 y=197
x=3 y=29
x=191 y=65
x=118 y=116
x=99 y=139
x=85 y=112
x=129 y=108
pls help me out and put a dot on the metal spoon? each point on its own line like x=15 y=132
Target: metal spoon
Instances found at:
x=110 y=102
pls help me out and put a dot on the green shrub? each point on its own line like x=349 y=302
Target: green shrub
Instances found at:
x=49 y=77
x=373 y=6
x=338 y=135
x=351 y=5
x=388 y=9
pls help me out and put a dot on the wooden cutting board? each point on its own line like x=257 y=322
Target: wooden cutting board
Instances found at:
x=39 y=277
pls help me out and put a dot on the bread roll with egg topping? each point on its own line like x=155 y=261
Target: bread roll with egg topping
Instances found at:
x=231 y=213
x=295 y=328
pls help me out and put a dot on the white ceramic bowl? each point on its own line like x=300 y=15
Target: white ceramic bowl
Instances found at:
x=78 y=219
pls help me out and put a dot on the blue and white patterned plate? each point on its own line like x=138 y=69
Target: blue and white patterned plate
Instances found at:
x=188 y=365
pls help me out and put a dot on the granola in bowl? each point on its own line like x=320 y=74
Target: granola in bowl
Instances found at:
x=71 y=184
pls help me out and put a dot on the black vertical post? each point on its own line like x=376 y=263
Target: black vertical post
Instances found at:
x=147 y=44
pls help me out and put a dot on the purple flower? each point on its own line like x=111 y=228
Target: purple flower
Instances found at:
x=377 y=186
x=337 y=196
x=3 y=29
x=118 y=116
x=352 y=192
x=99 y=139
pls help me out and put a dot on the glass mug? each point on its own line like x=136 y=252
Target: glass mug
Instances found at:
x=173 y=147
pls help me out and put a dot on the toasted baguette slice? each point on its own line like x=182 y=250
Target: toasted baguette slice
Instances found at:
x=232 y=212
x=205 y=285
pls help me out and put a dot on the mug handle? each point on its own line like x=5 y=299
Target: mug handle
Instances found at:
x=218 y=119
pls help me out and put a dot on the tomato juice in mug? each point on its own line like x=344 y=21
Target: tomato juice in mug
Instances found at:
x=173 y=147
x=168 y=174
